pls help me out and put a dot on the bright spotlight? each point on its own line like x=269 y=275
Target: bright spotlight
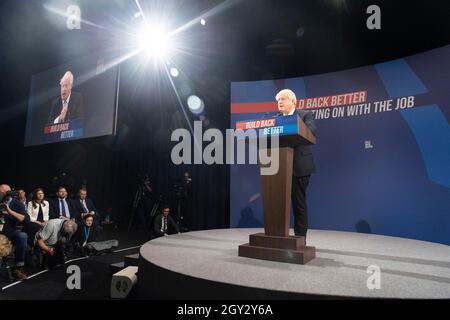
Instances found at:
x=174 y=72
x=154 y=42
x=195 y=104
x=202 y=22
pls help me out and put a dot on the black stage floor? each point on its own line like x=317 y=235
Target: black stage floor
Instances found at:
x=95 y=273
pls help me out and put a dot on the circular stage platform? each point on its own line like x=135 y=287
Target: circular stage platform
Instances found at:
x=206 y=265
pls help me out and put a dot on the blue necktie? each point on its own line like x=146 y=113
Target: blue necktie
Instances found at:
x=63 y=208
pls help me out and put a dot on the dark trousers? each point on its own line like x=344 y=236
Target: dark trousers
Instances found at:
x=299 y=205
x=19 y=240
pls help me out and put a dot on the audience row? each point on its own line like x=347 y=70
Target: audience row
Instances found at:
x=47 y=226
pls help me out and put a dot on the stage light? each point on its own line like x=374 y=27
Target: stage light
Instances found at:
x=195 y=104
x=203 y=22
x=174 y=72
x=154 y=41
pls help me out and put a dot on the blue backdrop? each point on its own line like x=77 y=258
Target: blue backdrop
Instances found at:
x=384 y=172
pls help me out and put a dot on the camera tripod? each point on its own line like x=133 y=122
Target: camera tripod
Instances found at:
x=138 y=200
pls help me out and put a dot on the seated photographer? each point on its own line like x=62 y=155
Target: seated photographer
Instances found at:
x=164 y=223
x=63 y=207
x=85 y=205
x=86 y=238
x=38 y=210
x=53 y=238
x=15 y=217
x=86 y=231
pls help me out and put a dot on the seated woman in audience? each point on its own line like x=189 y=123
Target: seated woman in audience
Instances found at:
x=38 y=210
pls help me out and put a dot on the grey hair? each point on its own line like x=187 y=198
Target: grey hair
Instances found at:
x=69 y=76
x=70 y=227
x=5 y=246
x=289 y=93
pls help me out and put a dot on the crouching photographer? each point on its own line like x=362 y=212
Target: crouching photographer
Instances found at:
x=53 y=239
x=15 y=218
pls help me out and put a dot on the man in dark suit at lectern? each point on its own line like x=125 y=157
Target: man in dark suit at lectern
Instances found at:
x=303 y=162
x=69 y=105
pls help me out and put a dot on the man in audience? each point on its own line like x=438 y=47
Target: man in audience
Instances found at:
x=164 y=223
x=23 y=198
x=53 y=238
x=63 y=207
x=15 y=217
x=85 y=205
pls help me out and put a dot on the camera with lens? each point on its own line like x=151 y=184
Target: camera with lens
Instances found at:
x=10 y=194
x=6 y=197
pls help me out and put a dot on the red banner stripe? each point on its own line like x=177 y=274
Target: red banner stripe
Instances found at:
x=254 y=107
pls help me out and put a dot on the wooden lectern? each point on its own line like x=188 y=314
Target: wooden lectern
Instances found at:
x=275 y=243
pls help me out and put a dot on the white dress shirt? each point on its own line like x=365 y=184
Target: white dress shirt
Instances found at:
x=66 y=208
